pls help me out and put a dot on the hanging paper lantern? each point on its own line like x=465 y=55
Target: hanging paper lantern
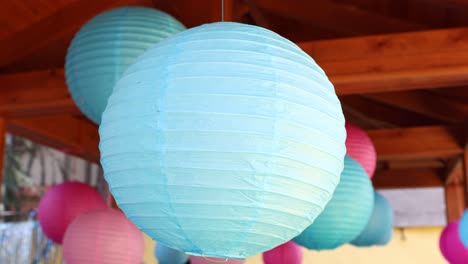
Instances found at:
x=379 y=229
x=224 y=140
x=62 y=203
x=451 y=245
x=167 y=255
x=346 y=214
x=463 y=231
x=359 y=146
x=204 y=260
x=103 y=236
x=289 y=253
x=104 y=48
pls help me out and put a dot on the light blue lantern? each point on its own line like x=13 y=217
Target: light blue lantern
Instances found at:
x=379 y=229
x=104 y=48
x=346 y=214
x=463 y=229
x=167 y=255
x=225 y=140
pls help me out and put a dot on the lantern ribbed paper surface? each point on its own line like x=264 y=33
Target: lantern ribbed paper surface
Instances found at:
x=167 y=255
x=289 y=253
x=203 y=260
x=105 y=46
x=451 y=245
x=346 y=215
x=103 y=236
x=62 y=203
x=379 y=229
x=224 y=140
x=463 y=231
x=359 y=146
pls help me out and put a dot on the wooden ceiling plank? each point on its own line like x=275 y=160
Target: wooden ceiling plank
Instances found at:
x=62 y=24
x=336 y=17
x=425 y=103
x=407 y=178
x=429 y=142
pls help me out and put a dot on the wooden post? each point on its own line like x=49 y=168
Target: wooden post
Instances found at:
x=2 y=150
x=455 y=201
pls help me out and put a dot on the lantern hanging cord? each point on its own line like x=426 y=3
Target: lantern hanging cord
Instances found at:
x=222 y=10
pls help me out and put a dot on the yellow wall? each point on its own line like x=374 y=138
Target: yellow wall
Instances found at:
x=412 y=246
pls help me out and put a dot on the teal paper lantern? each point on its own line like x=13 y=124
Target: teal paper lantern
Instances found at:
x=346 y=214
x=225 y=141
x=167 y=255
x=463 y=229
x=104 y=48
x=379 y=229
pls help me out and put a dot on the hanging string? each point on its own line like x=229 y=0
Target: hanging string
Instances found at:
x=222 y=10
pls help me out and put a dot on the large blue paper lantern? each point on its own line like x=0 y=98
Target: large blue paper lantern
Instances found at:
x=167 y=255
x=346 y=214
x=379 y=229
x=225 y=140
x=104 y=48
x=463 y=229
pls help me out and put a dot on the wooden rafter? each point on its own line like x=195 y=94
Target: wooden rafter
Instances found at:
x=425 y=103
x=74 y=135
x=408 y=178
x=416 y=143
x=336 y=17
x=384 y=116
x=394 y=62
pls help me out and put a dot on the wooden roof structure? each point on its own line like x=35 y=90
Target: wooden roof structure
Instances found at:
x=400 y=68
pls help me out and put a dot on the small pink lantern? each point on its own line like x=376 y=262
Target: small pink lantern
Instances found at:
x=103 y=236
x=62 y=203
x=209 y=260
x=360 y=147
x=451 y=245
x=288 y=252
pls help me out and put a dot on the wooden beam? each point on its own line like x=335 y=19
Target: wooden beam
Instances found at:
x=74 y=135
x=394 y=62
x=61 y=25
x=455 y=172
x=425 y=103
x=408 y=178
x=455 y=201
x=415 y=164
x=385 y=116
x=336 y=17
x=416 y=143
x=35 y=93
x=2 y=151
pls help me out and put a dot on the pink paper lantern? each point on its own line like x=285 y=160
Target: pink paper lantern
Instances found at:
x=209 y=260
x=62 y=203
x=103 y=236
x=288 y=252
x=360 y=147
x=451 y=245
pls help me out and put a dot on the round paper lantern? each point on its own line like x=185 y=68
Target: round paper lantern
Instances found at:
x=379 y=229
x=167 y=255
x=360 y=147
x=204 y=260
x=346 y=215
x=105 y=46
x=224 y=140
x=463 y=231
x=288 y=252
x=103 y=236
x=62 y=203
x=451 y=245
